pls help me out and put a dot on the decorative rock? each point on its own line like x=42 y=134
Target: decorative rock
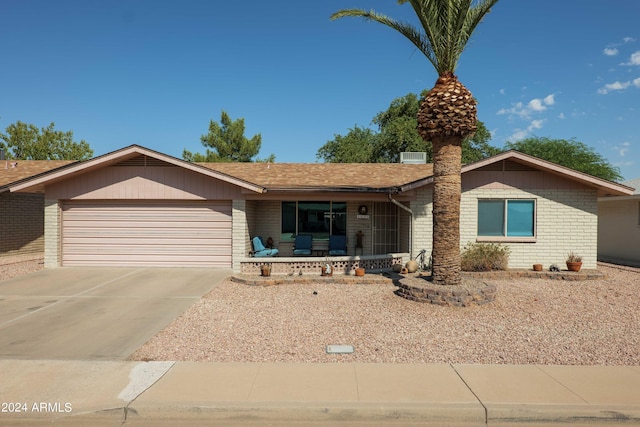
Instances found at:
x=411 y=266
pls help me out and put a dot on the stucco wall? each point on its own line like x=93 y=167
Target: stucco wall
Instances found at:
x=619 y=231
x=566 y=220
x=21 y=224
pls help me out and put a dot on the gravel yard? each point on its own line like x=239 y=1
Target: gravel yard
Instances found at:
x=532 y=321
x=14 y=266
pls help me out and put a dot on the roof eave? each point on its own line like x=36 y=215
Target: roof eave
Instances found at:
x=331 y=189
x=118 y=156
x=604 y=187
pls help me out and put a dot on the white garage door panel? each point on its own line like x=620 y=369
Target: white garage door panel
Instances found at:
x=147 y=234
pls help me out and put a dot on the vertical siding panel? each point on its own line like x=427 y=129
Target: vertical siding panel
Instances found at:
x=150 y=183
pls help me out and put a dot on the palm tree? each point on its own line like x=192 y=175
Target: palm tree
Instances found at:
x=447 y=114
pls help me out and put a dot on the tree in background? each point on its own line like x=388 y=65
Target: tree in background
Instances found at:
x=228 y=143
x=572 y=154
x=397 y=132
x=354 y=147
x=24 y=141
x=447 y=115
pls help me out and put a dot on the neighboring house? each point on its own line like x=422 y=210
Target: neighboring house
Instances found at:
x=139 y=207
x=21 y=214
x=619 y=227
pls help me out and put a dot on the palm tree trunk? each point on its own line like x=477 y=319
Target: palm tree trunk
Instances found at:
x=447 y=168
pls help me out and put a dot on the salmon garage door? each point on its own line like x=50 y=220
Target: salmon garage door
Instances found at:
x=156 y=234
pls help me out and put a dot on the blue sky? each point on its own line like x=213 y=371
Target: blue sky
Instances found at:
x=155 y=72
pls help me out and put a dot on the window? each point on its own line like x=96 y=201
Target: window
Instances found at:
x=506 y=218
x=320 y=219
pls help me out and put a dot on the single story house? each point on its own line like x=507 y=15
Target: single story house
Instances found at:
x=140 y=207
x=619 y=227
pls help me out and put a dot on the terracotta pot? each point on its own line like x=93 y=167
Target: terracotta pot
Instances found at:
x=359 y=271
x=574 y=266
x=537 y=267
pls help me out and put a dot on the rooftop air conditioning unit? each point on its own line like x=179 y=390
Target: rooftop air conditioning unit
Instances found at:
x=413 y=158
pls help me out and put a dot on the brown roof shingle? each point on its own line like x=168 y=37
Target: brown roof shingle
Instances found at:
x=281 y=176
x=27 y=168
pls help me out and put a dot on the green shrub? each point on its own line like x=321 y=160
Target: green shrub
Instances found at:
x=485 y=257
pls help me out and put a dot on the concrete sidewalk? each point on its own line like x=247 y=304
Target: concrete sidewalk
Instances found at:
x=168 y=393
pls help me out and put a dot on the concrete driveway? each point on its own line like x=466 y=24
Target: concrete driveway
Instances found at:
x=94 y=313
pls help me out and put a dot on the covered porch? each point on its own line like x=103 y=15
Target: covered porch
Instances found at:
x=377 y=233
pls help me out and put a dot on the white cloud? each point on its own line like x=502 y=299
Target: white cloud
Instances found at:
x=522 y=133
x=614 y=86
x=518 y=135
x=536 y=105
x=636 y=82
x=622 y=148
x=561 y=116
x=628 y=39
x=502 y=91
x=634 y=60
x=611 y=51
x=535 y=124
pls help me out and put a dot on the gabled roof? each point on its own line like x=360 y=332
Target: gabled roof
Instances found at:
x=299 y=177
x=36 y=183
x=604 y=187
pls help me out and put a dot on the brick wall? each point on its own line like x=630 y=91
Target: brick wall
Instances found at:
x=422 y=221
x=21 y=224
x=240 y=233
x=52 y=234
x=566 y=220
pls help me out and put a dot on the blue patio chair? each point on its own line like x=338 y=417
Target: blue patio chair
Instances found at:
x=337 y=245
x=259 y=251
x=303 y=245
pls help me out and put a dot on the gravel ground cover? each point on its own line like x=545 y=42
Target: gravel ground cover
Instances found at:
x=14 y=266
x=532 y=321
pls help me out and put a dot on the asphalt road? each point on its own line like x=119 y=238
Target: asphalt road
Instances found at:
x=94 y=313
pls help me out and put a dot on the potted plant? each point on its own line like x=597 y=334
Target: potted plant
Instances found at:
x=327 y=268
x=574 y=262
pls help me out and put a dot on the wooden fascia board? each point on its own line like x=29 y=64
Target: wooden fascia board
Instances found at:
x=600 y=184
x=117 y=156
x=568 y=173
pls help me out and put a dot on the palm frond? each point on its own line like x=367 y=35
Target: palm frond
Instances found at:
x=447 y=26
x=413 y=34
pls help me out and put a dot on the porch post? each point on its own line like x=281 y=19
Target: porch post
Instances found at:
x=240 y=233
x=52 y=226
